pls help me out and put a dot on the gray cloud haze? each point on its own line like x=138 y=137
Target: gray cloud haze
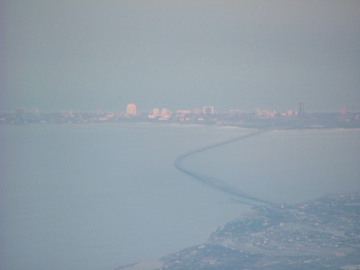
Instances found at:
x=88 y=55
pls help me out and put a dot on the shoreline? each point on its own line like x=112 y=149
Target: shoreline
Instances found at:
x=291 y=236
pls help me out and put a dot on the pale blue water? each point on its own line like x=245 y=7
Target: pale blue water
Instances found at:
x=99 y=196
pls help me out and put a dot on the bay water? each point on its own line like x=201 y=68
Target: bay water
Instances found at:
x=97 y=196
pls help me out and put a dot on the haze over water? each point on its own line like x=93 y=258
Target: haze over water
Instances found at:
x=100 y=196
x=87 y=55
x=93 y=197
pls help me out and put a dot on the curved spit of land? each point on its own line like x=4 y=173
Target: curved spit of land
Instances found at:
x=212 y=181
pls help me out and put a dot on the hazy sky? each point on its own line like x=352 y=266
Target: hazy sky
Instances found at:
x=88 y=55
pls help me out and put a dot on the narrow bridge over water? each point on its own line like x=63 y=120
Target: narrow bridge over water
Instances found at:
x=212 y=181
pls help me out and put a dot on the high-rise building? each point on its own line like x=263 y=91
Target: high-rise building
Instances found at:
x=36 y=111
x=131 y=109
x=196 y=111
x=166 y=113
x=208 y=110
x=154 y=113
x=301 y=108
x=343 y=111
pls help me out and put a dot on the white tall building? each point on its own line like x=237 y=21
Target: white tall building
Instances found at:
x=166 y=113
x=154 y=113
x=131 y=109
x=208 y=110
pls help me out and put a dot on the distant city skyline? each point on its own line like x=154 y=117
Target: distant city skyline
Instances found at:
x=259 y=118
x=269 y=54
x=132 y=109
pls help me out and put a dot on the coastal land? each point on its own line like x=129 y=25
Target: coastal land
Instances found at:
x=319 y=234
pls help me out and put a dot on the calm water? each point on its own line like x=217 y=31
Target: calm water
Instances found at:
x=99 y=196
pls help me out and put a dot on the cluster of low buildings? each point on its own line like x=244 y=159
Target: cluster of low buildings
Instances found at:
x=321 y=234
x=329 y=224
